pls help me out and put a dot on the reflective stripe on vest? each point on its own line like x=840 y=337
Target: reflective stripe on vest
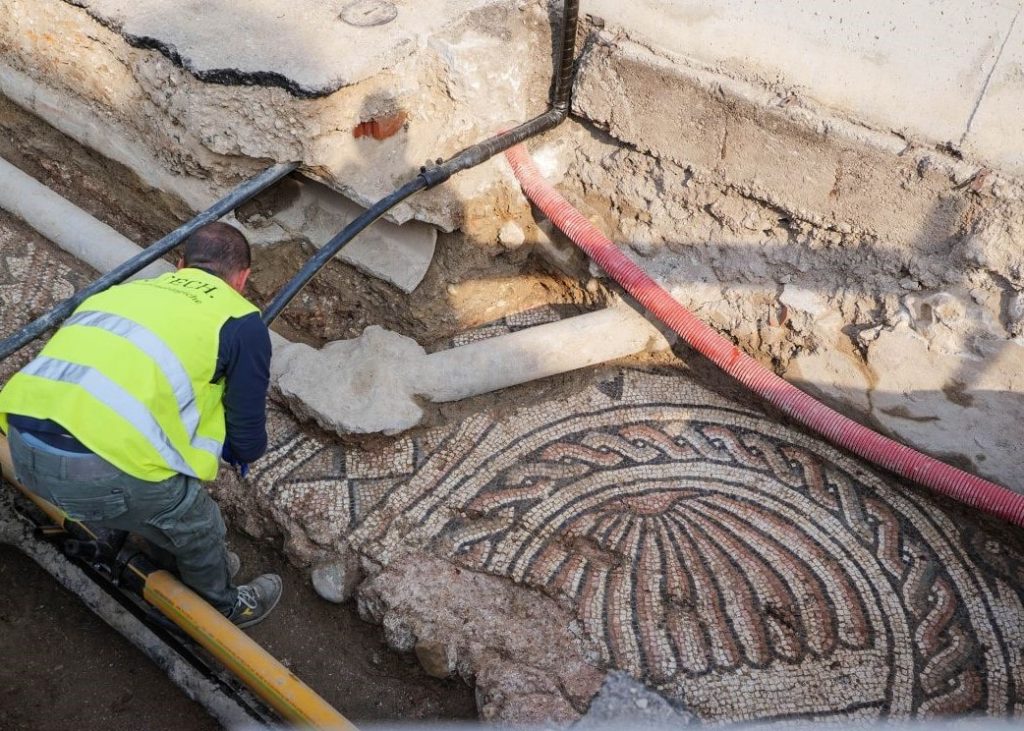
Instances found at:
x=168 y=363
x=116 y=399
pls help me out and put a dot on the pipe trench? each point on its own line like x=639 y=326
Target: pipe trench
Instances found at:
x=243 y=657
x=270 y=680
x=838 y=429
x=464 y=160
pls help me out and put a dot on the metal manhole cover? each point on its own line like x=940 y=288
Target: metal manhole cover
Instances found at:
x=367 y=13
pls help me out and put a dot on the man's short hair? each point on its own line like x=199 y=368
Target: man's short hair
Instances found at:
x=219 y=248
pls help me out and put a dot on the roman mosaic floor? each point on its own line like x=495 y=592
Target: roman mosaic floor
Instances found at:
x=735 y=564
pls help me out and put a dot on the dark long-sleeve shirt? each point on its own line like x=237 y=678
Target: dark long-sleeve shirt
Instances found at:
x=243 y=360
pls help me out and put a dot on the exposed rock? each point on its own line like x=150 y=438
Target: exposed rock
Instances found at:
x=485 y=627
x=994 y=242
x=511 y=235
x=352 y=386
x=337 y=580
x=436 y=659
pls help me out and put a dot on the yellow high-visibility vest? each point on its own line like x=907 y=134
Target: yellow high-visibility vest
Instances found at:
x=128 y=375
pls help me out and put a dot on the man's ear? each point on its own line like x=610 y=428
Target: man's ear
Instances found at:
x=238 y=281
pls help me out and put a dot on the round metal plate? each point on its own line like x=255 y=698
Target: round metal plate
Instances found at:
x=367 y=13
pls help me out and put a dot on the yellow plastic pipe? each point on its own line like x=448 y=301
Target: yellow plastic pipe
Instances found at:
x=253 y=665
x=259 y=670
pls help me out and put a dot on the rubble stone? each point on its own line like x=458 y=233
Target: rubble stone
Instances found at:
x=336 y=580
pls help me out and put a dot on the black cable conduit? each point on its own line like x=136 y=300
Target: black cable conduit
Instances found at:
x=427 y=178
x=464 y=160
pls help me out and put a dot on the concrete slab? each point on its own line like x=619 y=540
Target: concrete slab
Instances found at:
x=997 y=131
x=309 y=47
x=914 y=65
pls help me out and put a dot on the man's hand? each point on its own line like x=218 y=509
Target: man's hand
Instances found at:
x=242 y=468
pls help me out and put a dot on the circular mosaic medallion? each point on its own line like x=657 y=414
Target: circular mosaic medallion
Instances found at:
x=733 y=563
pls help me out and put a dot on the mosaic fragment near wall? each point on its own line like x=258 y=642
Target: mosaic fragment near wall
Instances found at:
x=730 y=562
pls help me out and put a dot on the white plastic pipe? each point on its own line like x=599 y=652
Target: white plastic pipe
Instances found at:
x=67 y=225
x=75 y=230
x=534 y=353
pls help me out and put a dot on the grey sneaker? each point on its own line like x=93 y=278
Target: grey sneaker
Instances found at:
x=234 y=564
x=256 y=600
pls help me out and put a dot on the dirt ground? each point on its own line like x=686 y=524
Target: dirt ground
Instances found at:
x=63 y=667
x=343 y=658
x=63 y=663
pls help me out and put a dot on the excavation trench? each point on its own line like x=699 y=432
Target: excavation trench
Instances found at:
x=329 y=646
x=346 y=660
x=520 y=543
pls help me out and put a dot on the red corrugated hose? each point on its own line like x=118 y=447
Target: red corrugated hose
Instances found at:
x=835 y=427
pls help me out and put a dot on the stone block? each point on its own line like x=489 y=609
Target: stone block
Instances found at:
x=624 y=702
x=336 y=581
x=437 y=659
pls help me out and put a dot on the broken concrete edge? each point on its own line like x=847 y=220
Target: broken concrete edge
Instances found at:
x=258 y=62
x=398 y=254
x=198 y=688
x=226 y=76
x=608 y=52
x=208 y=132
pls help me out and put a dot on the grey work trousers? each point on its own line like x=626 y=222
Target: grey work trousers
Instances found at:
x=176 y=515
